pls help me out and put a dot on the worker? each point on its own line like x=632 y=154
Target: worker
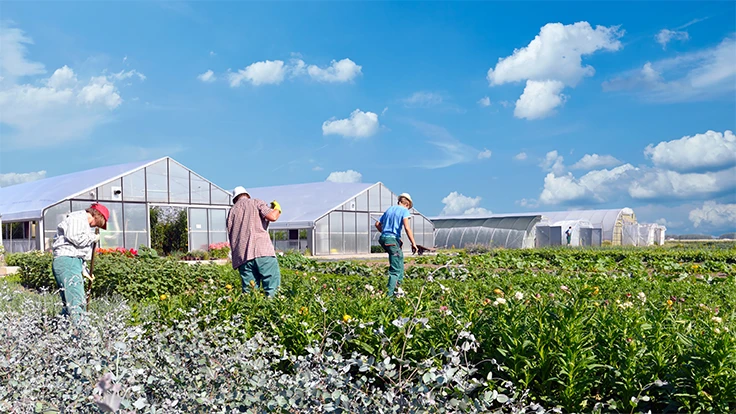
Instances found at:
x=568 y=235
x=72 y=246
x=392 y=221
x=252 y=252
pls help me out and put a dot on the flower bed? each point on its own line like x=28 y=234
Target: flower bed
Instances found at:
x=600 y=330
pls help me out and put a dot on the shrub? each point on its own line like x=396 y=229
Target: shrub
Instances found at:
x=377 y=249
x=477 y=249
x=219 y=250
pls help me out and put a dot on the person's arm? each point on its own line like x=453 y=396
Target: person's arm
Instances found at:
x=379 y=227
x=410 y=233
x=267 y=212
x=273 y=215
x=78 y=232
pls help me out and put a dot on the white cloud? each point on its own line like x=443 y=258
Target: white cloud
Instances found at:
x=505 y=104
x=13 y=63
x=359 y=125
x=664 y=184
x=62 y=78
x=550 y=62
x=539 y=99
x=207 y=77
x=699 y=75
x=423 y=100
x=9 y=179
x=349 y=176
x=553 y=162
x=665 y=36
x=384 y=111
x=317 y=168
x=212 y=53
x=269 y=72
x=520 y=156
x=47 y=111
x=485 y=154
x=714 y=214
x=589 y=162
x=484 y=101
x=701 y=152
x=344 y=70
x=594 y=187
x=458 y=204
x=100 y=91
x=453 y=150
x=122 y=75
x=556 y=53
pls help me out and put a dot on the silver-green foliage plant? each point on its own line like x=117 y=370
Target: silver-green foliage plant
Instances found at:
x=104 y=364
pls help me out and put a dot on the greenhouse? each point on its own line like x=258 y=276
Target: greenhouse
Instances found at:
x=527 y=230
x=335 y=218
x=30 y=212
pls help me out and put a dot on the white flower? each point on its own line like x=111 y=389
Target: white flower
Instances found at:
x=518 y=296
x=717 y=319
x=370 y=288
x=430 y=279
x=642 y=297
x=499 y=301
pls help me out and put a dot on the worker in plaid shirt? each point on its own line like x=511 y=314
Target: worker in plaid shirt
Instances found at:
x=252 y=252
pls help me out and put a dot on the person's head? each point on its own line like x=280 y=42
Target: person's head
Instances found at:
x=569 y=228
x=405 y=200
x=240 y=192
x=97 y=216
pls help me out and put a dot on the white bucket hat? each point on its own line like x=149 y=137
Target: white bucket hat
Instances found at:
x=408 y=197
x=238 y=191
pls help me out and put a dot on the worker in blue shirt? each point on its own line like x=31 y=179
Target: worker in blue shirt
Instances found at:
x=390 y=226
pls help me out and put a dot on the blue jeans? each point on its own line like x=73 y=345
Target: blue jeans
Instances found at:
x=68 y=275
x=263 y=272
x=392 y=245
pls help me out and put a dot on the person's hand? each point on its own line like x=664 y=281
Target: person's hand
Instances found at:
x=97 y=237
x=414 y=248
x=276 y=206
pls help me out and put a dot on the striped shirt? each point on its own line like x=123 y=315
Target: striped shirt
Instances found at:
x=247 y=229
x=74 y=236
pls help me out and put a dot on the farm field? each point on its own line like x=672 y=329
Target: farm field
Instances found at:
x=560 y=330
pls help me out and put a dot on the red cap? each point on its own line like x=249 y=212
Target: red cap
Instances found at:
x=105 y=213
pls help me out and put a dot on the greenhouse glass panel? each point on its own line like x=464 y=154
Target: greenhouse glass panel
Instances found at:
x=51 y=219
x=220 y=197
x=200 y=190
x=374 y=198
x=349 y=235
x=218 y=225
x=417 y=226
x=113 y=236
x=499 y=237
x=90 y=195
x=178 y=183
x=385 y=198
x=81 y=205
x=321 y=236
x=112 y=191
x=157 y=182
x=441 y=237
x=336 y=232
x=515 y=239
x=134 y=186
x=469 y=236
x=349 y=205
x=361 y=202
x=198 y=229
x=362 y=231
x=455 y=237
x=136 y=225
x=484 y=236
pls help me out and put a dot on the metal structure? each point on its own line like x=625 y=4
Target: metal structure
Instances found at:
x=335 y=218
x=32 y=211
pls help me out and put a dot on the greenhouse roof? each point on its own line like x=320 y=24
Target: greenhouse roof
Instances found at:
x=28 y=200
x=303 y=204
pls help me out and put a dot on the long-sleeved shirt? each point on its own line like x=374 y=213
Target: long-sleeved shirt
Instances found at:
x=74 y=236
x=247 y=229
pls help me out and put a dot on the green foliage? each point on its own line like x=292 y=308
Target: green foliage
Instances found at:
x=377 y=249
x=169 y=231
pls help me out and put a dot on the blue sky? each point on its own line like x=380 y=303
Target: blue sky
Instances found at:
x=470 y=107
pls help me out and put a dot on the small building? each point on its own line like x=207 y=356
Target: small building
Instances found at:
x=31 y=211
x=335 y=218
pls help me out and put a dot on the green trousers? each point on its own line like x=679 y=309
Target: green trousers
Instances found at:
x=263 y=272
x=68 y=274
x=395 y=261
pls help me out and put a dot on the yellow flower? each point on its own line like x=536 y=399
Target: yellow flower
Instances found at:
x=252 y=283
x=163 y=297
x=596 y=290
x=303 y=310
x=346 y=318
x=669 y=302
x=498 y=292
x=228 y=287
